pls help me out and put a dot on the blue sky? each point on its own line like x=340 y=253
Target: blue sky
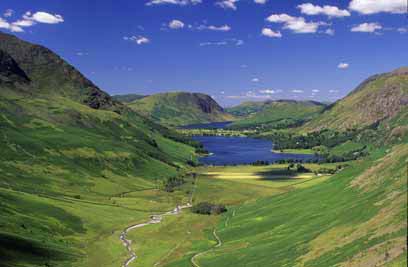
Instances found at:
x=234 y=50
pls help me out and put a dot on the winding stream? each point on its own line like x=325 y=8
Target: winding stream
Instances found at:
x=154 y=219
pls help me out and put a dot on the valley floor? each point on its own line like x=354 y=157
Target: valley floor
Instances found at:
x=279 y=219
x=275 y=217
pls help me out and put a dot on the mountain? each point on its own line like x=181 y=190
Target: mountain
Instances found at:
x=68 y=154
x=274 y=113
x=380 y=97
x=127 y=98
x=181 y=108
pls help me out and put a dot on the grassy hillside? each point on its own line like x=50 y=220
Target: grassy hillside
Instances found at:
x=180 y=108
x=379 y=97
x=69 y=158
x=275 y=114
x=356 y=218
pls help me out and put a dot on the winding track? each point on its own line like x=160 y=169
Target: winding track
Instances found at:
x=154 y=219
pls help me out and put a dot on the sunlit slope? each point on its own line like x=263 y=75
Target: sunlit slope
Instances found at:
x=355 y=218
x=68 y=155
x=379 y=98
x=181 y=108
x=275 y=114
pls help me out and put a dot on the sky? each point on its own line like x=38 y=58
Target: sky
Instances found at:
x=233 y=50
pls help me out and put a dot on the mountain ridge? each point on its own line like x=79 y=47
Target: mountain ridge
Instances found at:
x=180 y=108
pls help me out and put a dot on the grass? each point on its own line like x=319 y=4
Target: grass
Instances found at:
x=296 y=151
x=318 y=226
x=180 y=237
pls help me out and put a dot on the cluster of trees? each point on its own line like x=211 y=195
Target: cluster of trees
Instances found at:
x=298 y=168
x=171 y=183
x=207 y=208
x=327 y=138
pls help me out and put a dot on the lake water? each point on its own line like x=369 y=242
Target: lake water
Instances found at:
x=241 y=150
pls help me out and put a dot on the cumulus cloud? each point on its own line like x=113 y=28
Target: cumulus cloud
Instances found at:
x=261 y=2
x=173 y=2
x=255 y=80
x=140 y=40
x=378 y=6
x=176 y=24
x=222 y=28
x=343 y=65
x=295 y=24
x=29 y=20
x=331 y=11
x=270 y=33
x=367 y=27
x=227 y=4
x=8 y=13
x=43 y=17
x=297 y=91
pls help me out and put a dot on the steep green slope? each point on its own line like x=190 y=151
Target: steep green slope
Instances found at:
x=127 y=98
x=247 y=108
x=379 y=97
x=275 y=114
x=356 y=218
x=69 y=155
x=181 y=108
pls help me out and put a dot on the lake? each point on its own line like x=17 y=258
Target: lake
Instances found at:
x=241 y=150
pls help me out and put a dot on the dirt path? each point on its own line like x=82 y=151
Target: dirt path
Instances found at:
x=154 y=219
x=219 y=244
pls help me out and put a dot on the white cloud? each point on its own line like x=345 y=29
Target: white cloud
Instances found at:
x=223 y=28
x=255 y=80
x=29 y=20
x=377 y=6
x=297 y=91
x=270 y=33
x=140 y=40
x=80 y=54
x=227 y=4
x=173 y=2
x=343 y=65
x=213 y=43
x=268 y=91
x=329 y=32
x=24 y=23
x=232 y=41
x=295 y=24
x=333 y=91
x=367 y=27
x=176 y=24
x=331 y=11
x=261 y=2
x=315 y=91
x=402 y=30
x=43 y=17
x=8 y=13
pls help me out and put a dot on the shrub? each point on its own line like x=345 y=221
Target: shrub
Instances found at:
x=209 y=208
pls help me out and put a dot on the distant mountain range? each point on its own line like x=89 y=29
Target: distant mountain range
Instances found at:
x=127 y=98
x=274 y=113
x=180 y=108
